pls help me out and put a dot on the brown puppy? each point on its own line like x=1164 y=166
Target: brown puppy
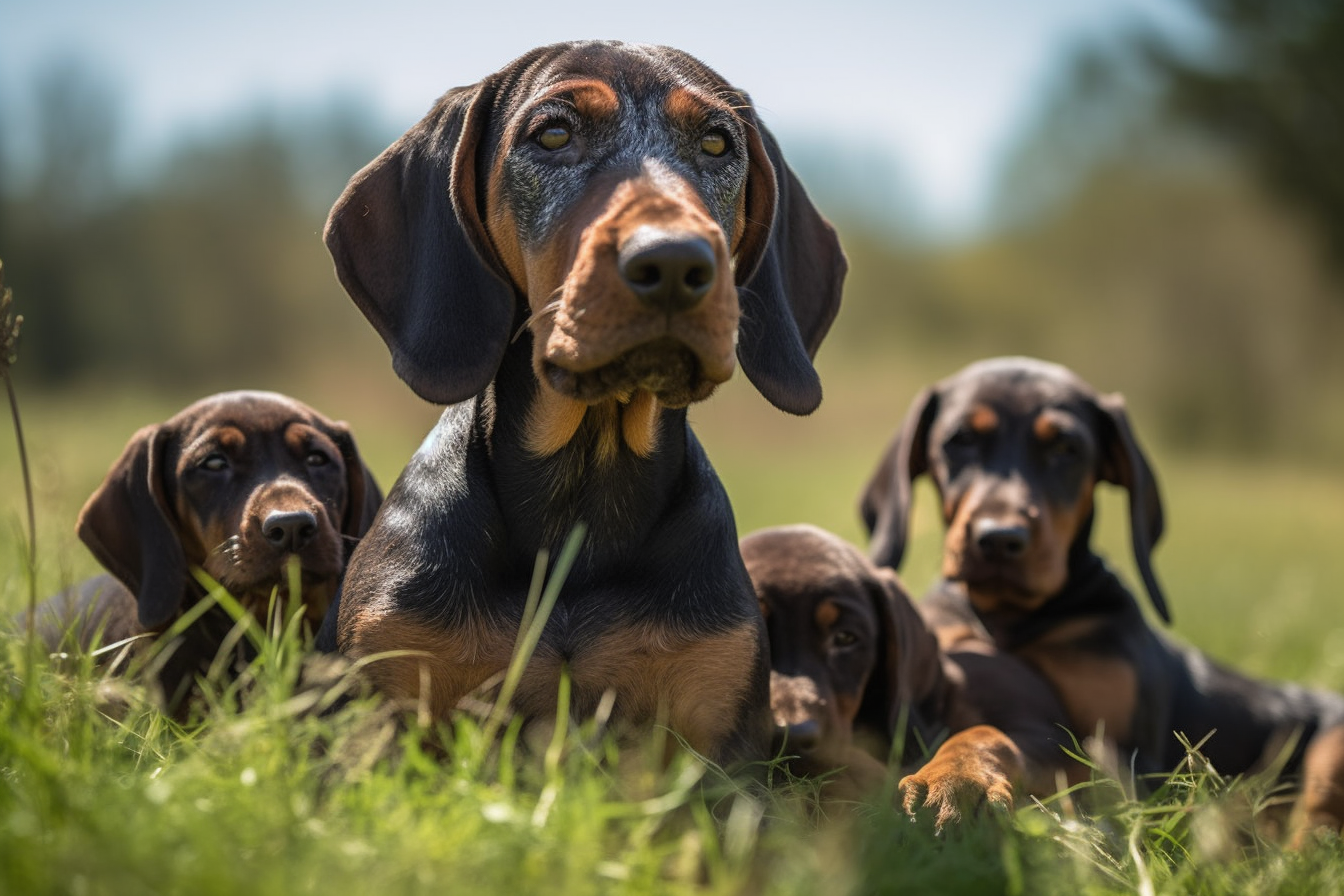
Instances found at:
x=235 y=484
x=570 y=252
x=853 y=666
x=1015 y=447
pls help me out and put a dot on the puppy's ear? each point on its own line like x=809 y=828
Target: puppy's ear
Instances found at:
x=129 y=526
x=411 y=249
x=790 y=270
x=1124 y=463
x=889 y=495
x=363 y=497
x=908 y=671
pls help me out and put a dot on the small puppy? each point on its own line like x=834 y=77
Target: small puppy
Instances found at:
x=1015 y=447
x=853 y=665
x=235 y=484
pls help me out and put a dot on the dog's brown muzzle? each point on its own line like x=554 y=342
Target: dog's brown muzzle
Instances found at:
x=649 y=303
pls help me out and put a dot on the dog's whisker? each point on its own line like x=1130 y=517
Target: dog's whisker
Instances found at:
x=551 y=307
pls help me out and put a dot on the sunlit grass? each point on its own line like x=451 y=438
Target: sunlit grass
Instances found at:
x=101 y=794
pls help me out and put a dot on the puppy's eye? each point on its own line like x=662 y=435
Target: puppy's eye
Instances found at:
x=214 y=462
x=554 y=136
x=317 y=459
x=964 y=437
x=843 y=638
x=714 y=143
x=1063 y=451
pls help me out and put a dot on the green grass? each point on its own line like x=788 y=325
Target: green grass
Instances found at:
x=101 y=794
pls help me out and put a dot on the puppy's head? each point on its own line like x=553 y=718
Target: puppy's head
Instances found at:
x=1015 y=447
x=623 y=205
x=851 y=659
x=236 y=484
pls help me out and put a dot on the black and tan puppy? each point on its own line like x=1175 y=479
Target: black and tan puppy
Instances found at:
x=235 y=484
x=570 y=252
x=853 y=666
x=1015 y=447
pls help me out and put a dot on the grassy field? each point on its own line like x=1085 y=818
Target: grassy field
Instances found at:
x=100 y=794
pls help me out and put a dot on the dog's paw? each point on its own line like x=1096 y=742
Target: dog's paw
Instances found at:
x=971 y=773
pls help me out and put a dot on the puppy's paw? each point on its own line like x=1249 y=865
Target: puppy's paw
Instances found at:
x=972 y=772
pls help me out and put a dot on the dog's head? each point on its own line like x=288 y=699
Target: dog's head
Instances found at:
x=1015 y=447
x=625 y=205
x=851 y=660
x=235 y=484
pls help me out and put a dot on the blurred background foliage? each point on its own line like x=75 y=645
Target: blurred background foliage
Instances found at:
x=181 y=271
x=1170 y=222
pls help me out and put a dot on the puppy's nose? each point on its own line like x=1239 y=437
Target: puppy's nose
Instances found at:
x=669 y=271
x=1001 y=541
x=289 y=531
x=802 y=737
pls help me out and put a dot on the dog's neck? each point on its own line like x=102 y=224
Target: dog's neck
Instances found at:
x=595 y=478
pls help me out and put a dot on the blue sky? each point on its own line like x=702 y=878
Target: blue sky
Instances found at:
x=941 y=86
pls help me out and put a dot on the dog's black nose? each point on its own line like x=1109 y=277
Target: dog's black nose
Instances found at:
x=1001 y=541
x=290 y=531
x=802 y=737
x=669 y=271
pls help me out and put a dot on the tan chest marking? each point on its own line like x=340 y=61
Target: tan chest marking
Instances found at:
x=1095 y=690
x=960 y=636
x=432 y=666
x=696 y=685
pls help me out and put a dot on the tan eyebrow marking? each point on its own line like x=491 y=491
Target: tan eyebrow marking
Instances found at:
x=983 y=419
x=591 y=98
x=827 y=613
x=691 y=107
x=1045 y=427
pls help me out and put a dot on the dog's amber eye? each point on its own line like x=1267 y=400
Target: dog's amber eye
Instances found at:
x=844 y=639
x=554 y=137
x=317 y=459
x=715 y=143
x=215 y=462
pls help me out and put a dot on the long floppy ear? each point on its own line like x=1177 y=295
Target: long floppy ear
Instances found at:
x=129 y=527
x=1124 y=463
x=887 y=499
x=908 y=670
x=410 y=248
x=790 y=271
x=363 y=497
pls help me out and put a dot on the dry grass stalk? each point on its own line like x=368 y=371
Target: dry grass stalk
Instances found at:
x=10 y=325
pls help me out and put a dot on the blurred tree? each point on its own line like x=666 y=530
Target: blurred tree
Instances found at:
x=204 y=269
x=1141 y=248
x=7 y=178
x=77 y=128
x=74 y=127
x=1270 y=86
x=1089 y=107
